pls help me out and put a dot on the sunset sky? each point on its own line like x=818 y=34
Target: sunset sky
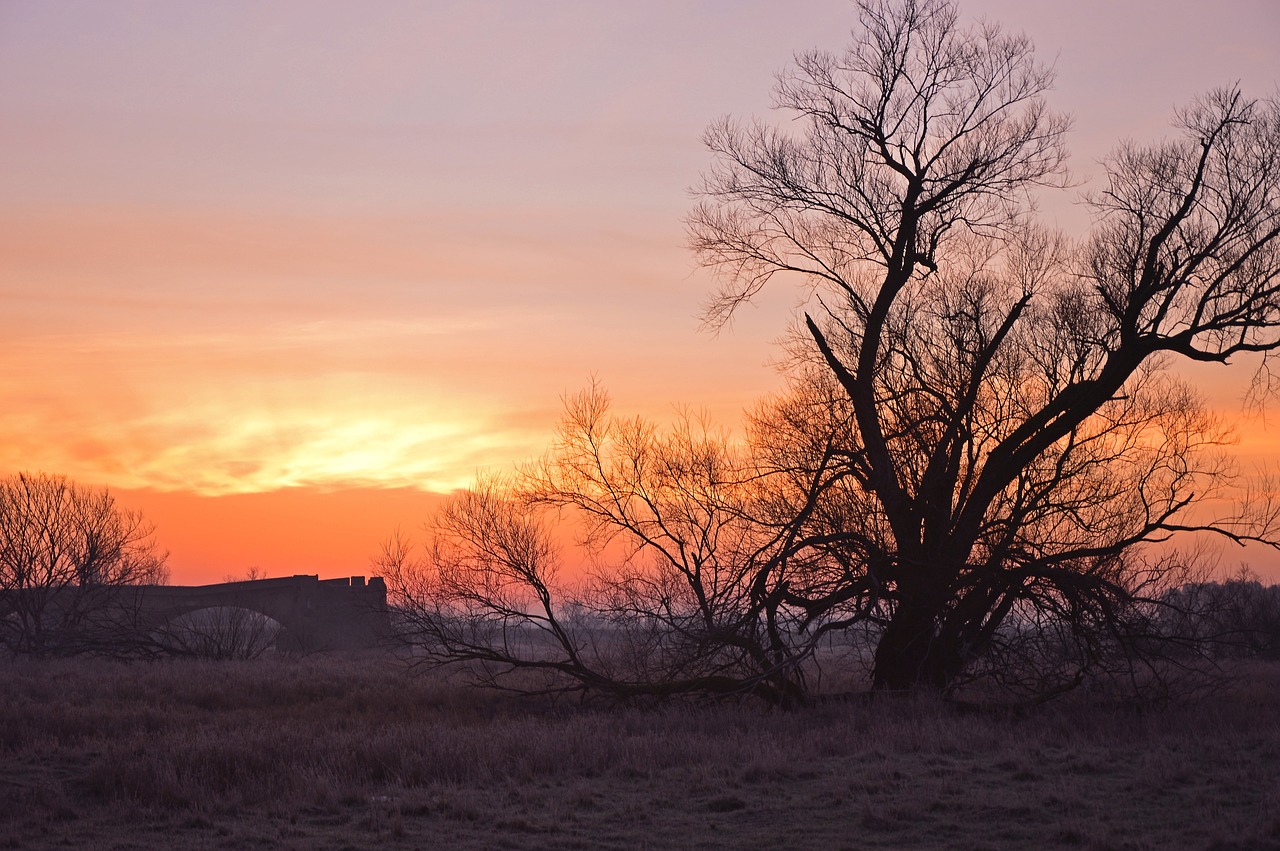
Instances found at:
x=278 y=271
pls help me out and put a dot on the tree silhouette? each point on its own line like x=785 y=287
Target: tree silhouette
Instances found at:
x=670 y=516
x=69 y=558
x=983 y=435
x=1017 y=432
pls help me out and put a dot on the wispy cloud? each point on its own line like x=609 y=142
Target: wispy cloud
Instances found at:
x=321 y=404
x=251 y=440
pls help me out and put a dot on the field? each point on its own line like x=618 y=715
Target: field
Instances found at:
x=356 y=752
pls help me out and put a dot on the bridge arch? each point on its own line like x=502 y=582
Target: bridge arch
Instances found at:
x=220 y=632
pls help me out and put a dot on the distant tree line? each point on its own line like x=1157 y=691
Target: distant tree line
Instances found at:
x=1239 y=617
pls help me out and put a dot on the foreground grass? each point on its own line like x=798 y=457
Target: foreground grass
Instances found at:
x=353 y=752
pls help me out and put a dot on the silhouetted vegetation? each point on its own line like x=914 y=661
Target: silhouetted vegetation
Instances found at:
x=1238 y=618
x=70 y=563
x=984 y=433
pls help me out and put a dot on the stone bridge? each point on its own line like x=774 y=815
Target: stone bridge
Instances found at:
x=315 y=614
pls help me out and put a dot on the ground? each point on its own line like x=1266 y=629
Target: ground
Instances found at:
x=351 y=752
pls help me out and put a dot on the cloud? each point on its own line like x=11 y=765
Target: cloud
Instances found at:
x=236 y=443
x=325 y=404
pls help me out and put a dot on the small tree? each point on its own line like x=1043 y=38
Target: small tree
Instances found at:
x=671 y=604
x=68 y=558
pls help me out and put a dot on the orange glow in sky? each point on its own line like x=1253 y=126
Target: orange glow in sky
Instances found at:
x=281 y=272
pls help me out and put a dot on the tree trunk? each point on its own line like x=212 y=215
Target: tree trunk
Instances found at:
x=911 y=653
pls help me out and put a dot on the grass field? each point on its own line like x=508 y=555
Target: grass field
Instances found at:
x=355 y=752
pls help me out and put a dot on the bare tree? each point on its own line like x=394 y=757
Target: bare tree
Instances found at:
x=672 y=603
x=70 y=559
x=983 y=434
x=726 y=568
x=1016 y=435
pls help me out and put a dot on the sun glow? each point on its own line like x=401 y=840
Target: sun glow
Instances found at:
x=229 y=414
x=268 y=269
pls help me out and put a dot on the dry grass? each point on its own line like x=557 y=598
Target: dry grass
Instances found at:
x=353 y=752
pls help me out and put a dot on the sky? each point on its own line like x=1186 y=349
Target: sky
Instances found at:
x=281 y=272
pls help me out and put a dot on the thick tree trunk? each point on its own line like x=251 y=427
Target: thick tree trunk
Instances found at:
x=912 y=654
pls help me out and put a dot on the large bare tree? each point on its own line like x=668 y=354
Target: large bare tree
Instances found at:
x=984 y=438
x=1017 y=434
x=71 y=559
